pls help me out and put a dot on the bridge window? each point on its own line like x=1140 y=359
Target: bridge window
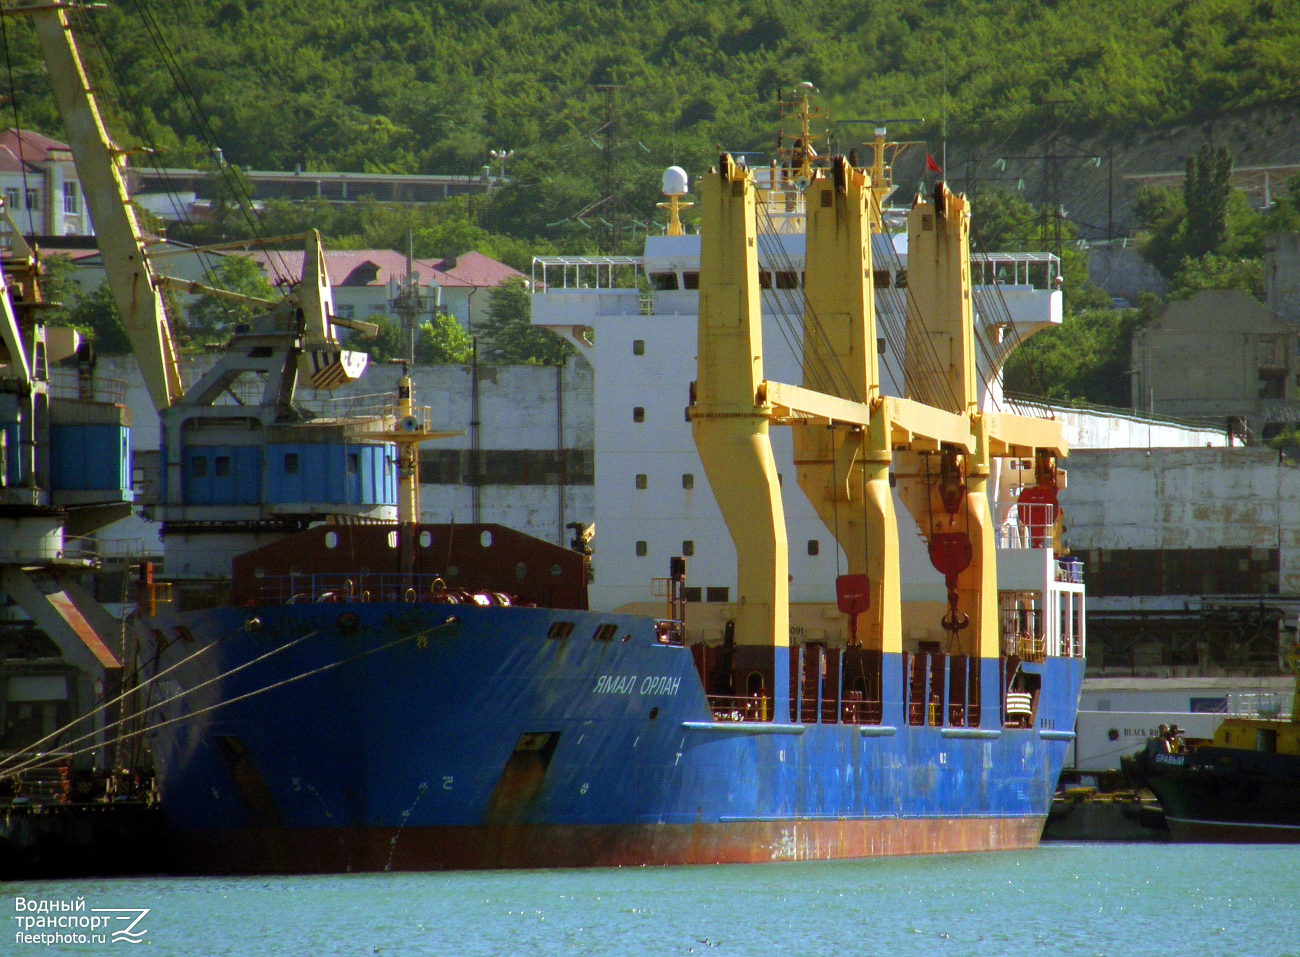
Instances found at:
x=664 y=281
x=717 y=594
x=691 y=280
x=787 y=280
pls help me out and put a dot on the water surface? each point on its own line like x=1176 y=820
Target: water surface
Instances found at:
x=1081 y=900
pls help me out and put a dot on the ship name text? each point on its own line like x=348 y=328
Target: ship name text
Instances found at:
x=629 y=684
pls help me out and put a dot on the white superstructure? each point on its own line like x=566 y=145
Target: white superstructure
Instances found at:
x=652 y=501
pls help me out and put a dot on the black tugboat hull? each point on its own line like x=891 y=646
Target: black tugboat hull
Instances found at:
x=1225 y=795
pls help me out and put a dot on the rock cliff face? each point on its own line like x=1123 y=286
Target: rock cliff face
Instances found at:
x=1095 y=194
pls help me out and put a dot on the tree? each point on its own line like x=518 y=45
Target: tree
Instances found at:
x=1206 y=190
x=1161 y=215
x=1085 y=358
x=1218 y=272
x=442 y=341
x=56 y=287
x=388 y=342
x=215 y=315
x=95 y=313
x=509 y=337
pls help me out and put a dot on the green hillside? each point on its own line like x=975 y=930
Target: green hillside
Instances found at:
x=431 y=87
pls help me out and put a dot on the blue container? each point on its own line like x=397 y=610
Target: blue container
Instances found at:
x=88 y=457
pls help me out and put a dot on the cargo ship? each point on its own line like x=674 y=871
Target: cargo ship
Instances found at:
x=1240 y=787
x=342 y=686
x=413 y=696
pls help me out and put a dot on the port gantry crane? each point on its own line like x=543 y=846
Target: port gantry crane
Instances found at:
x=65 y=455
x=238 y=470
x=847 y=438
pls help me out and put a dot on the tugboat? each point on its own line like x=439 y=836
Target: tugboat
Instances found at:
x=1242 y=786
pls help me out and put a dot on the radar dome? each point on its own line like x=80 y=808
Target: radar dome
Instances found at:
x=675 y=182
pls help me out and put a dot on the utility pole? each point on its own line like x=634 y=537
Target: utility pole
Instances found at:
x=408 y=303
x=609 y=165
x=1110 y=191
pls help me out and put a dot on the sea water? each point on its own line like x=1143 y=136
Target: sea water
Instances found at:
x=1062 y=899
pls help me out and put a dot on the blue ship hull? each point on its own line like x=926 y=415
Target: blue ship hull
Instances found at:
x=420 y=736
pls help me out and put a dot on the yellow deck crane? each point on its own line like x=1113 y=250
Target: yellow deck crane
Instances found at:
x=847 y=436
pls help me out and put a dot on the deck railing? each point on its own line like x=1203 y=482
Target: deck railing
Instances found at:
x=386 y=587
x=740 y=707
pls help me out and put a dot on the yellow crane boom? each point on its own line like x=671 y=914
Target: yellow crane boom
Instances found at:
x=99 y=167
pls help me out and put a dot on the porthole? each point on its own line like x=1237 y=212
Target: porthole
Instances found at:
x=425 y=539
x=485 y=539
x=331 y=539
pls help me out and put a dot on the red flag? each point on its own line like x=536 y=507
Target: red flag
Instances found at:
x=931 y=166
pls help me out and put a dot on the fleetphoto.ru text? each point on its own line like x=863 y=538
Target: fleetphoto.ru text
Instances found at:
x=43 y=922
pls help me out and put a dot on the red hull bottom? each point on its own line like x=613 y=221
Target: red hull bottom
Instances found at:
x=338 y=850
x=1218 y=832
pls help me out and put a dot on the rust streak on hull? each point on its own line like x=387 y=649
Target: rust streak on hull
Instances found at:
x=332 y=850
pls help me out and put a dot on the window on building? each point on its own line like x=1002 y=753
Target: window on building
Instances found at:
x=641 y=549
x=33 y=199
x=688 y=548
x=348 y=311
x=291 y=463
x=692 y=593
x=717 y=594
x=11 y=199
x=814 y=547
x=221 y=466
x=71 y=204
x=688 y=481
x=641 y=480
x=638 y=347
x=638 y=414
x=1272 y=385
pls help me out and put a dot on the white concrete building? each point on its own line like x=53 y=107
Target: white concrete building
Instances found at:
x=366 y=281
x=40 y=185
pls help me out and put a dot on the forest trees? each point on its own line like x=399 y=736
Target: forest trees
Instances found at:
x=509 y=338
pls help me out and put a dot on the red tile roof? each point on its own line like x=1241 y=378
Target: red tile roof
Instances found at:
x=473 y=269
x=375 y=267
x=35 y=149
